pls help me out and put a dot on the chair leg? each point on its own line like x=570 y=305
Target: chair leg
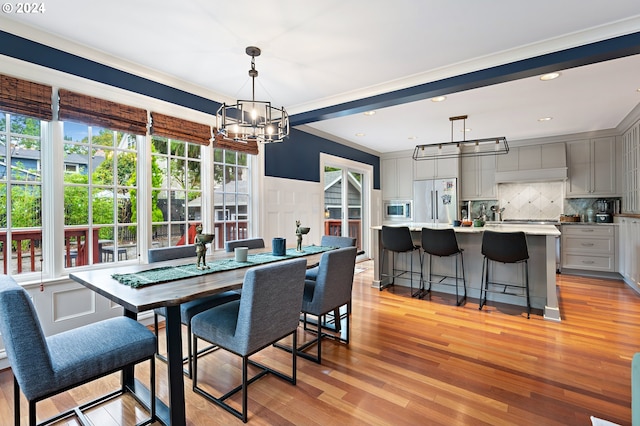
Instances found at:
x=32 y=413
x=155 y=329
x=484 y=284
x=464 y=280
x=526 y=278
x=244 y=388
x=189 y=352
x=16 y=402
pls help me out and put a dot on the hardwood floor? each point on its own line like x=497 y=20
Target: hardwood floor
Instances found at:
x=427 y=362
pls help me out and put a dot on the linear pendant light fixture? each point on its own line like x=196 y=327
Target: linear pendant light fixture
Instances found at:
x=251 y=120
x=463 y=148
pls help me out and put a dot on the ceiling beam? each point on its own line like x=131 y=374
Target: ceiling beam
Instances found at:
x=587 y=54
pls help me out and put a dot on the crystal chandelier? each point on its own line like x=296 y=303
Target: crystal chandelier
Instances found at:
x=251 y=120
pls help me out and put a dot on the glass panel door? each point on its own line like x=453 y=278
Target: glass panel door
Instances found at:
x=343 y=203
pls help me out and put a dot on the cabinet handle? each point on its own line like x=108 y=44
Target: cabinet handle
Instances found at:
x=587 y=244
x=587 y=230
x=587 y=262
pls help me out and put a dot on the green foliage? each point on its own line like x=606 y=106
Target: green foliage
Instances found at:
x=26 y=206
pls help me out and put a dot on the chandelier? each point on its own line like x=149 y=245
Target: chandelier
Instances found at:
x=252 y=120
x=463 y=148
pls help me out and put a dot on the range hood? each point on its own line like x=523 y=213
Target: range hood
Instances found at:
x=538 y=163
x=539 y=175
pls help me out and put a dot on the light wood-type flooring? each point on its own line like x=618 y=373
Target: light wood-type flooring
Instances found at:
x=426 y=362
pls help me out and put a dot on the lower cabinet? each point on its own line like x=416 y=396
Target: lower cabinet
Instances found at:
x=589 y=248
x=629 y=250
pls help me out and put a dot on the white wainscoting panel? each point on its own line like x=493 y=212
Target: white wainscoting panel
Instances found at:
x=285 y=202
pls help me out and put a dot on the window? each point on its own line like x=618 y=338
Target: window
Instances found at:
x=20 y=193
x=100 y=197
x=176 y=192
x=231 y=195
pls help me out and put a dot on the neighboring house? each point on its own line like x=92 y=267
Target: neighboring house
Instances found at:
x=333 y=188
x=25 y=163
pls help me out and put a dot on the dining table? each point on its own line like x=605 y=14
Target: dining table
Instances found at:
x=171 y=294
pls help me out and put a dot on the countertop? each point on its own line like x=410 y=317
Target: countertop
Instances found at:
x=529 y=229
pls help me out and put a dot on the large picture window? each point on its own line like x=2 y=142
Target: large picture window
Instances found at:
x=20 y=193
x=100 y=190
x=176 y=197
x=231 y=195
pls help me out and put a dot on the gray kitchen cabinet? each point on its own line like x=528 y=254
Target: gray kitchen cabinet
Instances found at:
x=589 y=248
x=532 y=163
x=397 y=178
x=477 y=178
x=628 y=249
x=592 y=166
x=438 y=168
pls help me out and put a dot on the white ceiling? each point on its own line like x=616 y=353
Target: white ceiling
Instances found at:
x=321 y=53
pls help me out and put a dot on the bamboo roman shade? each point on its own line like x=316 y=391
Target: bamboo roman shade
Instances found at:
x=25 y=97
x=103 y=113
x=250 y=147
x=177 y=128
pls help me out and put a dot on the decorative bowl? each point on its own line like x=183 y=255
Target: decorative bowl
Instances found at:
x=304 y=230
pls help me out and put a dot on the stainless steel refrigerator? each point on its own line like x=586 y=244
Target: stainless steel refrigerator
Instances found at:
x=435 y=200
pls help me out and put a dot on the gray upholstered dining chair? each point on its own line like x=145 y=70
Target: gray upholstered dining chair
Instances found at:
x=268 y=311
x=330 y=241
x=330 y=291
x=251 y=243
x=45 y=366
x=312 y=273
x=188 y=309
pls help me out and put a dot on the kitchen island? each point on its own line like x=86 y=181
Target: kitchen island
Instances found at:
x=541 y=242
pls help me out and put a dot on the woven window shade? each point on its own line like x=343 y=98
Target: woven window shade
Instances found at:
x=177 y=128
x=100 y=112
x=25 y=97
x=250 y=147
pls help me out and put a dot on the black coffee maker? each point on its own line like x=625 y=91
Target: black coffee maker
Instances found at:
x=605 y=211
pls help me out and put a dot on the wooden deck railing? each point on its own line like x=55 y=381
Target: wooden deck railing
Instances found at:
x=334 y=227
x=75 y=247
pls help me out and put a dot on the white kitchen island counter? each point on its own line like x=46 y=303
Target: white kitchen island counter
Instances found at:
x=541 y=242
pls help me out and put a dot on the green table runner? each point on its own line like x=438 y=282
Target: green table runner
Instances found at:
x=171 y=273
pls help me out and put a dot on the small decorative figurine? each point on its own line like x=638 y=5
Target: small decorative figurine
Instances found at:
x=300 y=231
x=201 y=241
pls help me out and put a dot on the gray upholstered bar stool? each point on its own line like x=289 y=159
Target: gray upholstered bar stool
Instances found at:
x=506 y=248
x=443 y=243
x=397 y=239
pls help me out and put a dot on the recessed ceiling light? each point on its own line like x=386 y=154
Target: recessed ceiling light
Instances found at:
x=359 y=134
x=369 y=113
x=438 y=99
x=465 y=130
x=545 y=119
x=412 y=138
x=550 y=76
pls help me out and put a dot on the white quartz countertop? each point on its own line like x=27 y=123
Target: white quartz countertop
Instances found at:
x=529 y=229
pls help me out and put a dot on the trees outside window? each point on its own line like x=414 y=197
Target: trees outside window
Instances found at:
x=100 y=197
x=231 y=195
x=20 y=193
x=176 y=191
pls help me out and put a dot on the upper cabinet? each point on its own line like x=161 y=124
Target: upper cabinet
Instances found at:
x=592 y=167
x=436 y=169
x=477 y=178
x=532 y=163
x=397 y=178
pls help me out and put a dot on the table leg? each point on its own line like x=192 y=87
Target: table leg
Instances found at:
x=174 y=366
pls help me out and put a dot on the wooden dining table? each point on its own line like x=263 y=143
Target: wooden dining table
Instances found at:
x=169 y=295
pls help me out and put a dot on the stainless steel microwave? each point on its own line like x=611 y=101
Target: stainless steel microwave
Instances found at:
x=398 y=210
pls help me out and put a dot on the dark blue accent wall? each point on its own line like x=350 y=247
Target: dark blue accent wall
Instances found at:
x=298 y=157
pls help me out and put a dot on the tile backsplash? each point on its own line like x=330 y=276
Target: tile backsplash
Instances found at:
x=535 y=200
